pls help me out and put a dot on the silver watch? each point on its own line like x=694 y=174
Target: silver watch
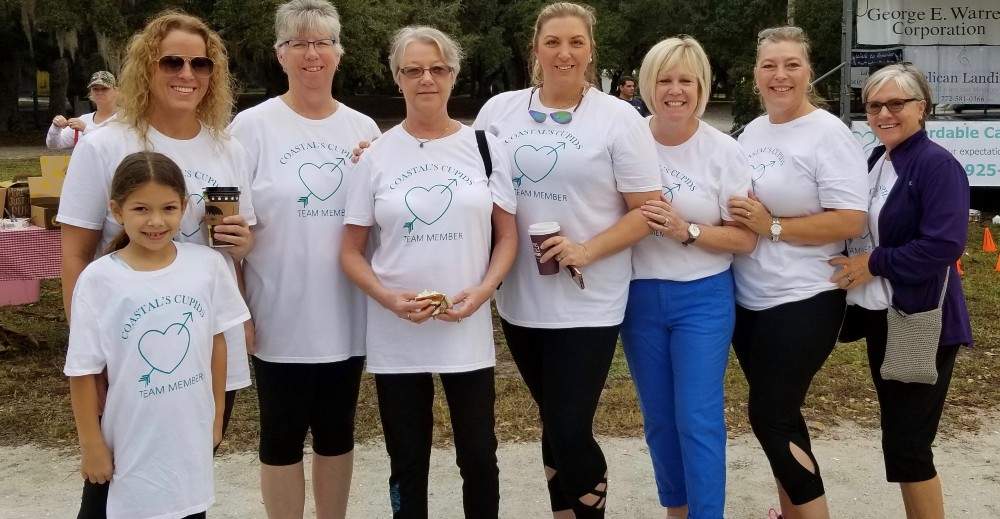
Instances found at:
x=775 y=229
x=693 y=233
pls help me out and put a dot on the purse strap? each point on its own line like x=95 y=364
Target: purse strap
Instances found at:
x=871 y=238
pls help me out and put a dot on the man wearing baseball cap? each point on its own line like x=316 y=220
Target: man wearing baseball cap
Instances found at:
x=65 y=133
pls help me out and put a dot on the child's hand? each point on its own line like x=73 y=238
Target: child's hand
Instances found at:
x=96 y=464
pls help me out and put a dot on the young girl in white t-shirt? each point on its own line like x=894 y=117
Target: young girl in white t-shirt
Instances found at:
x=159 y=335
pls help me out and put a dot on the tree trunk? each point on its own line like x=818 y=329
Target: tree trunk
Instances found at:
x=11 y=66
x=58 y=83
x=791 y=12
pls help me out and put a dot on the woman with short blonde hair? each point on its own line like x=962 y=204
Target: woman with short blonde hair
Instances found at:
x=679 y=319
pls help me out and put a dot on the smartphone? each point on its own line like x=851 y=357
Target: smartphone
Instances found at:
x=574 y=272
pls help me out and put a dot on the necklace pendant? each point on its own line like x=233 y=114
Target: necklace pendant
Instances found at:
x=421 y=145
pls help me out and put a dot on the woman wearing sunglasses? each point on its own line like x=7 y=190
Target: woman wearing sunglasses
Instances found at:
x=434 y=192
x=917 y=228
x=176 y=99
x=308 y=375
x=585 y=160
x=808 y=196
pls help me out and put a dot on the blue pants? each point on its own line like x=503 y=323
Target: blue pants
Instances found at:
x=676 y=336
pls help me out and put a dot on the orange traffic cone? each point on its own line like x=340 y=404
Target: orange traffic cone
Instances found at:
x=958 y=265
x=997 y=268
x=988 y=245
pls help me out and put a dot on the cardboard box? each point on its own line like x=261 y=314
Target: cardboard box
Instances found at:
x=43 y=212
x=45 y=190
x=5 y=206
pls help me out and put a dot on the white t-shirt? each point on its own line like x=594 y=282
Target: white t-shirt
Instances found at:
x=305 y=309
x=61 y=138
x=431 y=207
x=872 y=295
x=698 y=177
x=799 y=168
x=154 y=334
x=573 y=174
x=204 y=161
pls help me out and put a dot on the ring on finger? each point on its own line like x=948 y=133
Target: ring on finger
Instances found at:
x=748 y=213
x=408 y=318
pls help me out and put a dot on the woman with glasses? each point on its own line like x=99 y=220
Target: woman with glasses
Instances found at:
x=435 y=193
x=586 y=161
x=310 y=319
x=809 y=194
x=916 y=230
x=103 y=92
x=176 y=99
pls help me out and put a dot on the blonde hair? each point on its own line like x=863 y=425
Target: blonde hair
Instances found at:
x=214 y=111
x=561 y=10
x=450 y=51
x=682 y=51
x=793 y=34
x=307 y=16
x=908 y=78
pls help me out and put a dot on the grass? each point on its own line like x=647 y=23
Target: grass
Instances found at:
x=34 y=397
x=10 y=168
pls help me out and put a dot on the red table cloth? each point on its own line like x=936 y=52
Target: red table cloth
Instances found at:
x=32 y=253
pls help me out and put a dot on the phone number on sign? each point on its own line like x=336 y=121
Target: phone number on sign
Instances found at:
x=981 y=170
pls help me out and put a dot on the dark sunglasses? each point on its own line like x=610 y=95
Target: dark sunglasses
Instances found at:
x=561 y=116
x=894 y=105
x=201 y=66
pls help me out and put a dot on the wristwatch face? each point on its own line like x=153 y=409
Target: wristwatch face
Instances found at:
x=775 y=229
x=694 y=231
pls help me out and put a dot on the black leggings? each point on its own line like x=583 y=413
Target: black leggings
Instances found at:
x=780 y=350
x=94 y=500
x=565 y=370
x=405 y=406
x=910 y=413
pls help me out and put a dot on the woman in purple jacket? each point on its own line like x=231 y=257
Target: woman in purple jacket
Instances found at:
x=917 y=227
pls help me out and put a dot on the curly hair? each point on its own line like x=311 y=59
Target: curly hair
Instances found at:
x=214 y=111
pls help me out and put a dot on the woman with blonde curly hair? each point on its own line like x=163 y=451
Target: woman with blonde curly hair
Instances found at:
x=176 y=99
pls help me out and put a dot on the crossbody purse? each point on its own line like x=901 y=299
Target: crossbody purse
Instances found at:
x=912 y=340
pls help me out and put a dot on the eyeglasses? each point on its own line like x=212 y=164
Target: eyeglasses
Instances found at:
x=200 y=65
x=326 y=44
x=894 y=105
x=560 y=117
x=418 y=72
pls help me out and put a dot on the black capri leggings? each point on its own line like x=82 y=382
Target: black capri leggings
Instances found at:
x=780 y=350
x=910 y=413
x=565 y=370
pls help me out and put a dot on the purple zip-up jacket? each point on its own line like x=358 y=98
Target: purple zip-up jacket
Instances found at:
x=922 y=229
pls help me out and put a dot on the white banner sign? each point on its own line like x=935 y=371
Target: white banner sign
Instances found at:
x=976 y=145
x=928 y=22
x=959 y=74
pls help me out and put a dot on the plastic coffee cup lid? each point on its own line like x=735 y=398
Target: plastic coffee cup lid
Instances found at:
x=543 y=228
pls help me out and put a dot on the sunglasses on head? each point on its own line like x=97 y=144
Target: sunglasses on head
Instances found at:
x=201 y=66
x=560 y=116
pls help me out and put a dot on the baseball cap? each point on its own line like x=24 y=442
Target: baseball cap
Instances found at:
x=103 y=78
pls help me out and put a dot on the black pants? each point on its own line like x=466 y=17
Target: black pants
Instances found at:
x=94 y=500
x=565 y=370
x=405 y=406
x=780 y=350
x=910 y=413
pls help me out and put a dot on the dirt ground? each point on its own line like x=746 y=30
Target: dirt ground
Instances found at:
x=42 y=483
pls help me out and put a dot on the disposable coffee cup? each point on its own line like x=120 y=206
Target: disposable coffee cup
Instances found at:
x=540 y=232
x=220 y=202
